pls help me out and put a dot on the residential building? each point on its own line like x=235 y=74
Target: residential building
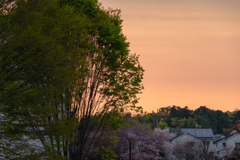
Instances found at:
x=193 y=143
x=225 y=145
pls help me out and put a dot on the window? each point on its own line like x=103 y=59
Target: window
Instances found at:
x=224 y=144
x=206 y=143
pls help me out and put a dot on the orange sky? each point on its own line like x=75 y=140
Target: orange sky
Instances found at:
x=190 y=50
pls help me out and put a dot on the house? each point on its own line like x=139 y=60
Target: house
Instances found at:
x=194 y=141
x=204 y=134
x=187 y=146
x=213 y=145
x=225 y=145
x=185 y=137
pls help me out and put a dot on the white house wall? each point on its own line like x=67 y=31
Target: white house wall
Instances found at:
x=230 y=143
x=221 y=151
x=181 y=141
x=211 y=147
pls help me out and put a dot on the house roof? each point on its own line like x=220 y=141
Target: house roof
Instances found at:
x=218 y=136
x=196 y=132
x=199 y=132
x=225 y=138
x=218 y=140
x=183 y=135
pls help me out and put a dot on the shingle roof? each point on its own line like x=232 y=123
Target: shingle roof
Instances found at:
x=181 y=135
x=231 y=135
x=196 y=132
x=199 y=132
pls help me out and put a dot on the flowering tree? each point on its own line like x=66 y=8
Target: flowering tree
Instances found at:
x=235 y=154
x=192 y=149
x=143 y=146
x=236 y=126
x=166 y=133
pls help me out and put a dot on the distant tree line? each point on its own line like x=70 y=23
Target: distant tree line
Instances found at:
x=177 y=117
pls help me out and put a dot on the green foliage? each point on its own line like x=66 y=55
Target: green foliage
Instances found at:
x=107 y=153
x=234 y=116
x=88 y=7
x=61 y=59
x=203 y=117
x=178 y=112
x=189 y=123
x=164 y=112
x=36 y=53
x=227 y=131
x=217 y=120
x=116 y=120
x=184 y=123
x=163 y=125
x=113 y=76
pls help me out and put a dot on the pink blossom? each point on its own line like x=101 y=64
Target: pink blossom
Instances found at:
x=144 y=147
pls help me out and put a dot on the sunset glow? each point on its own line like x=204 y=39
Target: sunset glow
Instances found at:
x=190 y=50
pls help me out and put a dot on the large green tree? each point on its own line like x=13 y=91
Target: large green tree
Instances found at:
x=205 y=117
x=113 y=78
x=217 y=120
x=235 y=115
x=39 y=64
x=177 y=112
x=184 y=123
x=66 y=74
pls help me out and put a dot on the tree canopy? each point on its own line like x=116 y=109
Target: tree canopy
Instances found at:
x=177 y=117
x=66 y=76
